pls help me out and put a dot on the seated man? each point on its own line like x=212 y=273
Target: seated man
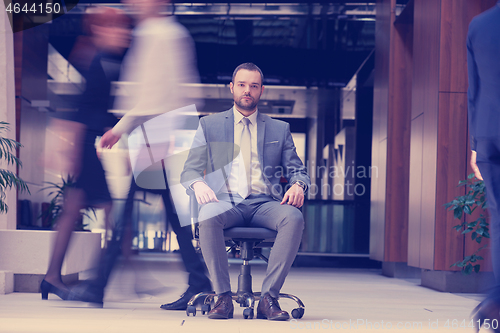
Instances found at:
x=242 y=188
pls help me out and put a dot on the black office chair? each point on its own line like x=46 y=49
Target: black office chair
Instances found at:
x=249 y=241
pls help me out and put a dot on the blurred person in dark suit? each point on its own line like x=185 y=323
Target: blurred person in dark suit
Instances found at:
x=483 y=50
x=97 y=56
x=159 y=61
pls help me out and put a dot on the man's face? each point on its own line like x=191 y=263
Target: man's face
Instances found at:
x=246 y=89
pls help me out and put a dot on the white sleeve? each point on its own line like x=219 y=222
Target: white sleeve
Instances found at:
x=164 y=62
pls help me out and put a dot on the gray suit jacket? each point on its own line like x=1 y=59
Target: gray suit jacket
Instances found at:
x=213 y=151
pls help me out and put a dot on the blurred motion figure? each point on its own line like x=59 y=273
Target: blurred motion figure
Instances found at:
x=97 y=56
x=160 y=59
x=483 y=48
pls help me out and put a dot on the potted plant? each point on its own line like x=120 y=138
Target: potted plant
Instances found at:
x=51 y=210
x=474 y=199
x=55 y=207
x=8 y=179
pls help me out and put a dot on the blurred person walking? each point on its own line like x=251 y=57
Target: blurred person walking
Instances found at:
x=483 y=48
x=97 y=56
x=160 y=59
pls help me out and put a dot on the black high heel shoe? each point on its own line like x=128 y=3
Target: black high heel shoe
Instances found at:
x=487 y=315
x=46 y=288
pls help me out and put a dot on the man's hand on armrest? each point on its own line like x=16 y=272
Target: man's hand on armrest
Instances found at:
x=294 y=196
x=204 y=194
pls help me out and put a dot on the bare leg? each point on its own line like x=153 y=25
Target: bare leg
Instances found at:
x=65 y=226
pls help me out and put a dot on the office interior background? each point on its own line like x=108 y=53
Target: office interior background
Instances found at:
x=375 y=95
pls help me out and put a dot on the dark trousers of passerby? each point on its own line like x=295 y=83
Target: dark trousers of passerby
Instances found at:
x=488 y=162
x=197 y=280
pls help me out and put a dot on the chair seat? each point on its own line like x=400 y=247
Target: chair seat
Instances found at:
x=250 y=233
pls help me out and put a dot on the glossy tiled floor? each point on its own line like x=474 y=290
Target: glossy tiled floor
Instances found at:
x=335 y=299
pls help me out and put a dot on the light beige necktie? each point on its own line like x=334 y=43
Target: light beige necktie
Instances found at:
x=244 y=181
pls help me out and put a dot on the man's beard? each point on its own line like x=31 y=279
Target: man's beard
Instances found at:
x=248 y=107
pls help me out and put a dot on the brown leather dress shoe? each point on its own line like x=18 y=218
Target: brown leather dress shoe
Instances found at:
x=269 y=308
x=223 y=308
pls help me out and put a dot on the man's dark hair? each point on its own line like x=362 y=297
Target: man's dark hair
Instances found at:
x=249 y=67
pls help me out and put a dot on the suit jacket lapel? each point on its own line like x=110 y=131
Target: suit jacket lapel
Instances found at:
x=261 y=130
x=229 y=134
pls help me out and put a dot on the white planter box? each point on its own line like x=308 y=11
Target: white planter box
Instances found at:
x=26 y=253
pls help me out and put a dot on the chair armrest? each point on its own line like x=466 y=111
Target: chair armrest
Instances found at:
x=193 y=205
x=193 y=210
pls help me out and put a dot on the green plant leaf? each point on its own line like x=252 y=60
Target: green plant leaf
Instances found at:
x=8 y=179
x=57 y=192
x=473 y=200
x=470 y=201
x=482 y=221
x=472 y=224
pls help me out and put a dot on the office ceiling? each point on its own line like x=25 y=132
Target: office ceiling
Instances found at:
x=294 y=42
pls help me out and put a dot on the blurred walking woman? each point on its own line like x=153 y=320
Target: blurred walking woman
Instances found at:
x=97 y=57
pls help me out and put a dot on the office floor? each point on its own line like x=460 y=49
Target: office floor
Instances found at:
x=336 y=300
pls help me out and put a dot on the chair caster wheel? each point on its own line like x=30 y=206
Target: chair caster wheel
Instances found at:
x=191 y=310
x=205 y=308
x=298 y=313
x=248 y=313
